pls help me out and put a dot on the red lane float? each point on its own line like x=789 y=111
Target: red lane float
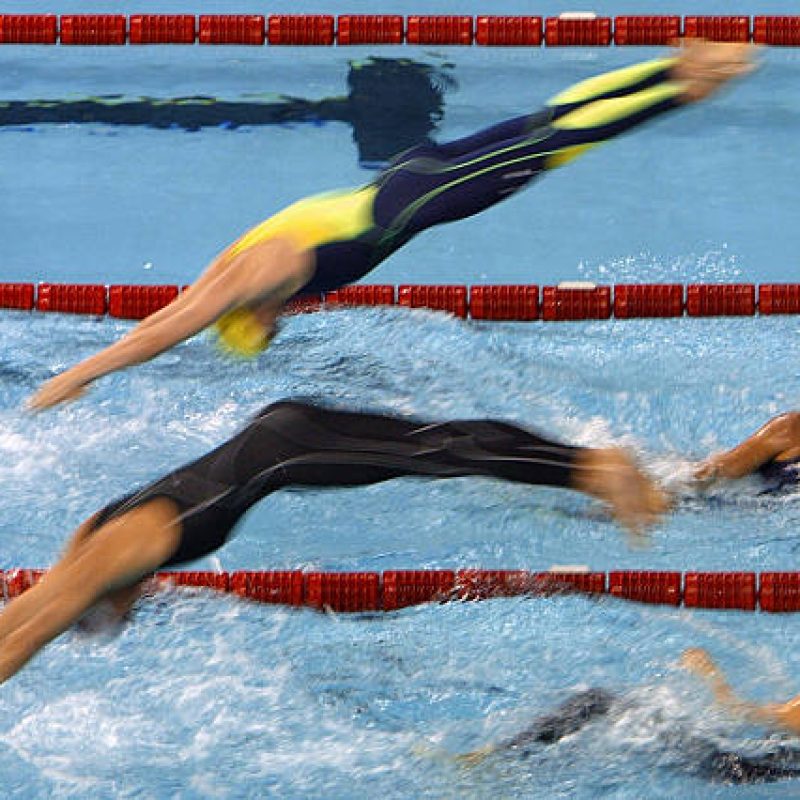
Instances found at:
x=561 y=303
x=779 y=591
x=219 y=581
x=646 y=587
x=717 y=29
x=71 y=298
x=648 y=300
x=439 y=30
x=481 y=584
x=568 y=582
x=509 y=31
x=436 y=298
x=28 y=29
x=343 y=591
x=300 y=29
x=162 y=29
x=18 y=296
x=721 y=300
x=17 y=581
x=728 y=590
x=780 y=31
x=575 y=32
x=403 y=588
x=282 y=587
x=779 y=298
x=646 y=30
x=138 y=302
x=507 y=303
x=369 y=29
x=304 y=304
x=361 y=295
x=93 y=29
x=231 y=29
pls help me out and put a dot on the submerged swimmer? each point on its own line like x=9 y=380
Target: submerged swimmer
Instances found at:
x=773 y=452
x=327 y=241
x=192 y=511
x=695 y=755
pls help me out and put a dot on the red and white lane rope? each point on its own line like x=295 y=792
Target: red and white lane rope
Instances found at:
x=510 y=303
x=395 y=589
x=568 y=29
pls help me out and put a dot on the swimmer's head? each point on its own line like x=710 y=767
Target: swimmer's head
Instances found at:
x=241 y=333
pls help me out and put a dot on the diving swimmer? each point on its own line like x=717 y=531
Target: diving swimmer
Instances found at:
x=684 y=750
x=327 y=241
x=192 y=511
x=772 y=452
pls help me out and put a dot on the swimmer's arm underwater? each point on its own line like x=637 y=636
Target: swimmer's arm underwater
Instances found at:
x=785 y=716
x=778 y=439
x=264 y=275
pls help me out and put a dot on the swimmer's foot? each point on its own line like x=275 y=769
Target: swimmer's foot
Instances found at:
x=612 y=476
x=474 y=758
x=708 y=472
x=704 y=67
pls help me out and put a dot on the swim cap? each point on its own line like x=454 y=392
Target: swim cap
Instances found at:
x=240 y=333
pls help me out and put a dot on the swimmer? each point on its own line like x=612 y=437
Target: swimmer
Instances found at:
x=773 y=452
x=192 y=511
x=695 y=755
x=780 y=716
x=326 y=241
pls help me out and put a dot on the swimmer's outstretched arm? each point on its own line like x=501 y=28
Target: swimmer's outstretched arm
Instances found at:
x=106 y=565
x=778 y=439
x=785 y=716
x=267 y=274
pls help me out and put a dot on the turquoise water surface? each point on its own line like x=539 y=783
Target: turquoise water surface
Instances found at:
x=209 y=697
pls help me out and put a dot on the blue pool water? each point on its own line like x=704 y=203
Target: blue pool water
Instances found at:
x=209 y=697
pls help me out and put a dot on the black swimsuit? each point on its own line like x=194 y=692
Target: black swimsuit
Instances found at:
x=779 y=474
x=300 y=444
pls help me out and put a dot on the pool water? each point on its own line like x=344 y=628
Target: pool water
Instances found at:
x=206 y=696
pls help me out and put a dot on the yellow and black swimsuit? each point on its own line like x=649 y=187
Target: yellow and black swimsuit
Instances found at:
x=352 y=231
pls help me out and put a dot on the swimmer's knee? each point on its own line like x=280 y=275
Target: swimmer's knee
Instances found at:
x=129 y=547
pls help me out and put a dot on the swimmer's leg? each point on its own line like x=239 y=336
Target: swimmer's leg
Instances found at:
x=573 y=714
x=610 y=84
x=117 y=556
x=569 y=717
x=732 y=768
x=418 y=194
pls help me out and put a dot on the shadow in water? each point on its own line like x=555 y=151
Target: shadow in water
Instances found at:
x=392 y=104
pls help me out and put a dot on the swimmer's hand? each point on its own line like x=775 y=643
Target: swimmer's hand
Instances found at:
x=633 y=499
x=699 y=663
x=704 y=67
x=64 y=388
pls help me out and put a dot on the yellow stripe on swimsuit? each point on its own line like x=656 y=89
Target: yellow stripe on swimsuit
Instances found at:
x=321 y=219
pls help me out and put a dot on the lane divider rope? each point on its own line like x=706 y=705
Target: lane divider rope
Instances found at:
x=395 y=589
x=502 y=303
x=568 y=29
